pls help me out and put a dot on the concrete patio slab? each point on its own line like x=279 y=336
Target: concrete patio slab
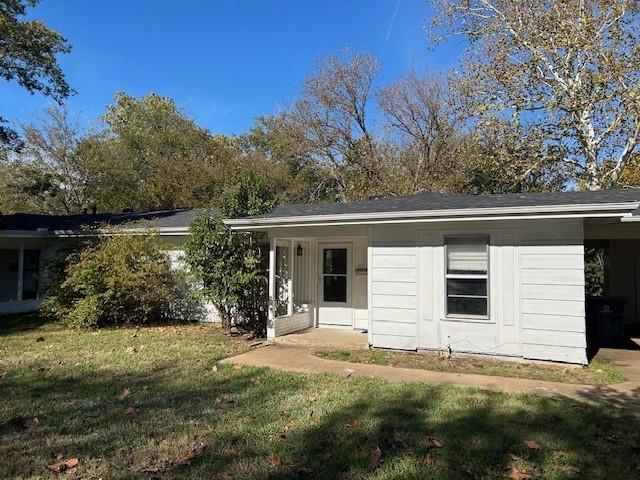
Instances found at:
x=333 y=338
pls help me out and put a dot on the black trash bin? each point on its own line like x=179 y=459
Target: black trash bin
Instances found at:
x=605 y=321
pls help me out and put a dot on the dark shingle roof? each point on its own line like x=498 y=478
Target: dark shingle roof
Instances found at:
x=159 y=219
x=443 y=201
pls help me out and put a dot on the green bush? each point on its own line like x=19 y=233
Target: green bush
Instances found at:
x=120 y=280
x=231 y=267
x=594 y=271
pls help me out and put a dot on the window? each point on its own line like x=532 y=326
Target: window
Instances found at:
x=467 y=276
x=9 y=260
x=30 y=271
x=334 y=275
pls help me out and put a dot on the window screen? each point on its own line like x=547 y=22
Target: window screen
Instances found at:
x=467 y=276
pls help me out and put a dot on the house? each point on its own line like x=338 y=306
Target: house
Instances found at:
x=491 y=274
x=28 y=242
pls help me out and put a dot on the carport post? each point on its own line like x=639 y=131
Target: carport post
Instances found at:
x=20 y=285
x=292 y=256
x=271 y=320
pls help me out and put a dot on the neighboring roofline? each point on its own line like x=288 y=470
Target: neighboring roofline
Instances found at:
x=161 y=231
x=440 y=215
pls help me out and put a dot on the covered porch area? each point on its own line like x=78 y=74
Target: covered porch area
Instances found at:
x=612 y=277
x=317 y=282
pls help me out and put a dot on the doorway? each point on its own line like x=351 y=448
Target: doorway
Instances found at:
x=335 y=284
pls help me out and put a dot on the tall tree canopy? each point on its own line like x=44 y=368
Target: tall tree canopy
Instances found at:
x=568 y=71
x=415 y=134
x=29 y=55
x=51 y=174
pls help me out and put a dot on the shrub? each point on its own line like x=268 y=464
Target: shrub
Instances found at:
x=231 y=267
x=121 y=280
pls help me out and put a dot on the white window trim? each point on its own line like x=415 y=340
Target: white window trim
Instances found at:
x=479 y=276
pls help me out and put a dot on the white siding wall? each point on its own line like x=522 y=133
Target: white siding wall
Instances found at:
x=394 y=287
x=536 y=290
x=552 y=286
x=203 y=311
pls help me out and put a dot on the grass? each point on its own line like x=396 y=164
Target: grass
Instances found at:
x=152 y=403
x=599 y=371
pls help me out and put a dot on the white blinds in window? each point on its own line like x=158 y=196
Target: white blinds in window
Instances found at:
x=466 y=255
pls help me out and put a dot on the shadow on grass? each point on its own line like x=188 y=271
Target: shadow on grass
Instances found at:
x=260 y=423
x=23 y=322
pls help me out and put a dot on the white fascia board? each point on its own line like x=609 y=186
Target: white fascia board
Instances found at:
x=25 y=234
x=161 y=231
x=468 y=214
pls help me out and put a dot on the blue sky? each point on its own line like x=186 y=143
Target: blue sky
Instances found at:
x=223 y=61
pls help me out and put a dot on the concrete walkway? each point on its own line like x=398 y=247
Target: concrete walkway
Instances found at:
x=298 y=356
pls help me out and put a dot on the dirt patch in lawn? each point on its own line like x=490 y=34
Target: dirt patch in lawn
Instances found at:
x=599 y=371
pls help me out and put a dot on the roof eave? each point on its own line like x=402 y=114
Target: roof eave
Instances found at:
x=469 y=214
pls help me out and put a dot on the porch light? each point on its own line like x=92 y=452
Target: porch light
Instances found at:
x=299 y=250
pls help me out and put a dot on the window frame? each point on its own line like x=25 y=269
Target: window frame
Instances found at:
x=345 y=274
x=471 y=276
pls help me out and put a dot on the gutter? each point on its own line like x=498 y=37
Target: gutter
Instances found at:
x=466 y=214
x=160 y=231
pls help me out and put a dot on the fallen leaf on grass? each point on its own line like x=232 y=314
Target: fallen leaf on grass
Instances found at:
x=130 y=350
x=429 y=461
x=34 y=422
x=214 y=368
x=65 y=465
x=273 y=461
x=125 y=393
x=355 y=424
x=433 y=443
x=190 y=455
x=184 y=459
x=375 y=455
x=516 y=473
x=532 y=445
x=130 y=411
x=228 y=399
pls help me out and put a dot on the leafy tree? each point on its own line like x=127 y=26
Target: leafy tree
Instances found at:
x=28 y=55
x=332 y=120
x=170 y=161
x=230 y=266
x=276 y=144
x=51 y=174
x=569 y=69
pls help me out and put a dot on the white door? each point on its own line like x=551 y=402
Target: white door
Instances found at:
x=335 y=268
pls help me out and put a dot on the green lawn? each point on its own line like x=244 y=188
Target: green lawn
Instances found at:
x=599 y=371
x=149 y=403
